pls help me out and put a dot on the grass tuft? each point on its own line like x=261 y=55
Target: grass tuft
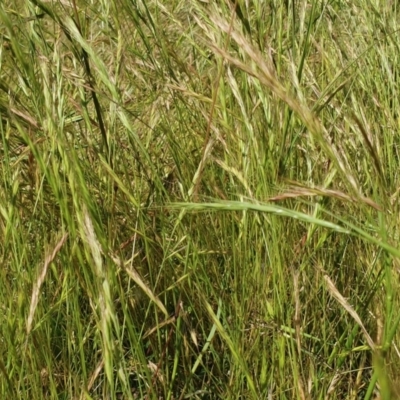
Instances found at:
x=199 y=200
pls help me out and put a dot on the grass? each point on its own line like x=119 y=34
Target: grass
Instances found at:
x=199 y=200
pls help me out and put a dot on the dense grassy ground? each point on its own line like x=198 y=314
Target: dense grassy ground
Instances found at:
x=199 y=199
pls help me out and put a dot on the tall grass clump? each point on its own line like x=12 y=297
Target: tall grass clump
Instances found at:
x=199 y=199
